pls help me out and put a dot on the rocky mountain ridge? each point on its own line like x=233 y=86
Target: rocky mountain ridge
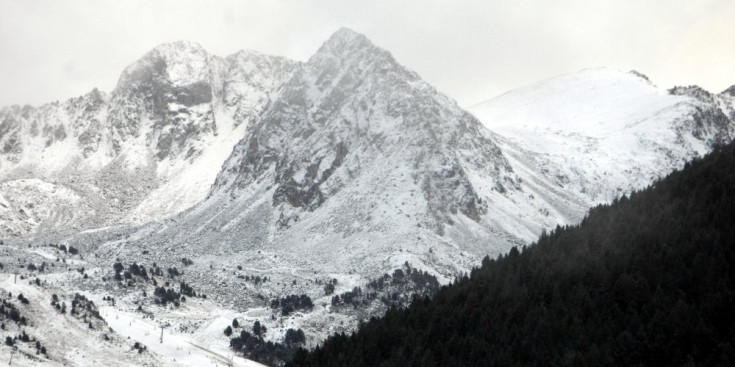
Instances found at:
x=360 y=161
x=145 y=151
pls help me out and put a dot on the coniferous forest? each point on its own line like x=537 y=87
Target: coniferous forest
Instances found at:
x=645 y=281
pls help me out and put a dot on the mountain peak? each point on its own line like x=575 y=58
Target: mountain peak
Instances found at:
x=345 y=42
x=345 y=33
x=182 y=62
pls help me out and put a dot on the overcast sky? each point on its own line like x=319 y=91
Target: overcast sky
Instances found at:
x=472 y=50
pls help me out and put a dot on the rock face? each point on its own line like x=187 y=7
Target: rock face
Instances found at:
x=145 y=151
x=711 y=121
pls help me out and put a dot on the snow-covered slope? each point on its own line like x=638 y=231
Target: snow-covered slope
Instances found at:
x=600 y=133
x=149 y=149
x=67 y=326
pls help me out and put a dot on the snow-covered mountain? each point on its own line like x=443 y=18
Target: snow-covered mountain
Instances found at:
x=600 y=133
x=334 y=171
x=149 y=149
x=361 y=162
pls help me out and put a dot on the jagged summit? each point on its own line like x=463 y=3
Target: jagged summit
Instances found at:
x=176 y=51
x=347 y=35
x=345 y=42
x=694 y=91
x=179 y=62
x=350 y=55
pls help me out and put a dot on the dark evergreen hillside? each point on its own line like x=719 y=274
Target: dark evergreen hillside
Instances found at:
x=646 y=281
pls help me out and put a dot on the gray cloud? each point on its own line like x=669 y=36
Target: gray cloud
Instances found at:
x=471 y=50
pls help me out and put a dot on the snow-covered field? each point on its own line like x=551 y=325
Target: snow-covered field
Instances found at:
x=69 y=340
x=176 y=349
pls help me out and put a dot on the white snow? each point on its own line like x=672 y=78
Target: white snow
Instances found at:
x=599 y=132
x=177 y=349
